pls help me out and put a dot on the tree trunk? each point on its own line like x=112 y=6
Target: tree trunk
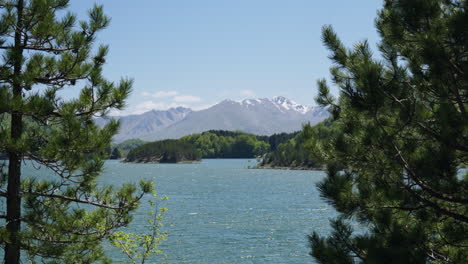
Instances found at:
x=13 y=217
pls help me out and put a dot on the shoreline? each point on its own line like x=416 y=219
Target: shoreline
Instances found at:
x=157 y=162
x=284 y=168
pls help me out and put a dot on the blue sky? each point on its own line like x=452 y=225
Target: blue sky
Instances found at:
x=197 y=53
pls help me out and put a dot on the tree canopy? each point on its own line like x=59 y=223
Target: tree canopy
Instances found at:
x=395 y=165
x=164 y=151
x=62 y=219
x=116 y=154
x=209 y=144
x=303 y=151
x=227 y=144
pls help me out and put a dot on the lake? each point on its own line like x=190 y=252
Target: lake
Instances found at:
x=222 y=212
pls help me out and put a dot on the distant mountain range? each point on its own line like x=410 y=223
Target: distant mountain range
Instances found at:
x=258 y=116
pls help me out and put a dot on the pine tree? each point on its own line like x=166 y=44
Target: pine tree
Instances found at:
x=116 y=154
x=394 y=167
x=63 y=219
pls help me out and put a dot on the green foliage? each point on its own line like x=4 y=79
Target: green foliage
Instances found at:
x=225 y=133
x=165 y=151
x=402 y=136
x=116 y=154
x=210 y=144
x=138 y=248
x=276 y=139
x=130 y=144
x=65 y=218
x=227 y=144
x=305 y=150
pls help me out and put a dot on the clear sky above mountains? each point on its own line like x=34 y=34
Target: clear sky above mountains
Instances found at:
x=196 y=53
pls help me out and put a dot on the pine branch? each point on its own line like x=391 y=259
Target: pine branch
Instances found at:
x=438 y=137
x=435 y=206
x=38 y=48
x=424 y=127
x=424 y=186
x=100 y=235
x=401 y=208
x=89 y=202
x=7 y=5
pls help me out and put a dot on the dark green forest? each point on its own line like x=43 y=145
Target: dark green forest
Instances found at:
x=165 y=151
x=303 y=151
x=276 y=139
x=226 y=144
x=210 y=144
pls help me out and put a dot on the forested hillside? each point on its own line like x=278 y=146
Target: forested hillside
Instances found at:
x=276 y=139
x=210 y=144
x=165 y=151
x=227 y=144
x=304 y=151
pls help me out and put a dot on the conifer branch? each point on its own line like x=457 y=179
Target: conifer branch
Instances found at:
x=435 y=206
x=424 y=186
x=122 y=205
x=39 y=48
x=425 y=128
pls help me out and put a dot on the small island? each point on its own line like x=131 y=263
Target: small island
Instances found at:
x=165 y=151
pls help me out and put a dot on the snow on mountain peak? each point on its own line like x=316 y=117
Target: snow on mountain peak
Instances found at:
x=291 y=105
x=281 y=102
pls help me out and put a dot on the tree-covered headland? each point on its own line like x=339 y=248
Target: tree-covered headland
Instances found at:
x=209 y=144
x=164 y=151
x=227 y=144
x=304 y=151
x=402 y=120
x=63 y=219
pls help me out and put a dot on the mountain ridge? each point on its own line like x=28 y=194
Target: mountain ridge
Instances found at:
x=261 y=116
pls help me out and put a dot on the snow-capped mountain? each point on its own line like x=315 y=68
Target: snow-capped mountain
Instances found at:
x=260 y=116
x=282 y=103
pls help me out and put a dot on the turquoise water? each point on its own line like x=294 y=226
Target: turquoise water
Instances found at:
x=220 y=212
